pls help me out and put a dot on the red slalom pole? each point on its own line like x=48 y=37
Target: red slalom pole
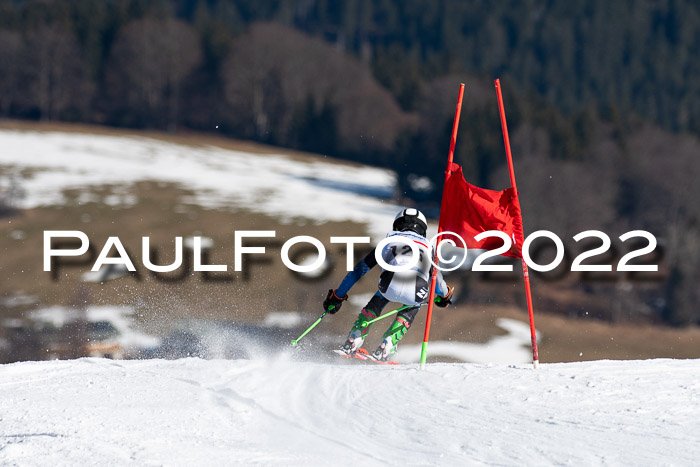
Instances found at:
x=433 y=278
x=526 y=274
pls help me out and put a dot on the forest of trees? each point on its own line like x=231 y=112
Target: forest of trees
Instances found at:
x=603 y=98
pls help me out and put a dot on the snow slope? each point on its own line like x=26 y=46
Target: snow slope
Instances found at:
x=281 y=411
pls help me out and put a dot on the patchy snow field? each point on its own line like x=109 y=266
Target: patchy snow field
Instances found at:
x=48 y=162
x=222 y=178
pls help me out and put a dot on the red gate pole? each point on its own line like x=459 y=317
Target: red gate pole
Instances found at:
x=433 y=279
x=526 y=275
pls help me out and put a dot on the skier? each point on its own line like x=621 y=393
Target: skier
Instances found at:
x=410 y=288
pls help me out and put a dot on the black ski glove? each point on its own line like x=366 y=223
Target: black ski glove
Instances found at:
x=332 y=303
x=442 y=302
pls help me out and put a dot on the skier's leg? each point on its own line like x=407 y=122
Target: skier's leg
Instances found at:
x=359 y=330
x=396 y=331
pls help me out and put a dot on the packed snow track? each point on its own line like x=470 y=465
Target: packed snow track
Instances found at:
x=286 y=412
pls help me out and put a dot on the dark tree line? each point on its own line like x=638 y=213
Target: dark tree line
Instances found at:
x=166 y=63
x=602 y=97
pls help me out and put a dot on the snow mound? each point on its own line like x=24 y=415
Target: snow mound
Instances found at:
x=288 y=412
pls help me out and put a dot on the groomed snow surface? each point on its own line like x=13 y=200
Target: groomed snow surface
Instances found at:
x=281 y=411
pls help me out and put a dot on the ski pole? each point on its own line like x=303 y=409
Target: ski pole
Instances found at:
x=364 y=325
x=296 y=341
x=367 y=323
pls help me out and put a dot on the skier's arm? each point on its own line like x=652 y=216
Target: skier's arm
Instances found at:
x=441 y=287
x=336 y=297
x=443 y=291
x=361 y=268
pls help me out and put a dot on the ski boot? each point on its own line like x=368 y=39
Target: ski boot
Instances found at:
x=391 y=338
x=357 y=334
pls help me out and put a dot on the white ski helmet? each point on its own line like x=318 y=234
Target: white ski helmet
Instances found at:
x=411 y=219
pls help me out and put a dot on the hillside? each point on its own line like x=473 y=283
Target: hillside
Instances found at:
x=107 y=182
x=601 y=99
x=278 y=411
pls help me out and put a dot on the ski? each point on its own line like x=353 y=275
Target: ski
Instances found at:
x=360 y=354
